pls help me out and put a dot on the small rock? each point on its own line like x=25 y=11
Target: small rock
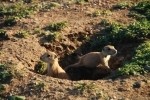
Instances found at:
x=59 y=48
x=114 y=97
x=121 y=89
x=123 y=99
x=137 y=85
x=148 y=81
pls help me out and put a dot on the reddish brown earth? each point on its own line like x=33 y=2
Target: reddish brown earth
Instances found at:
x=25 y=53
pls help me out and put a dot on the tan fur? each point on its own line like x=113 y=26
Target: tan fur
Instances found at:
x=96 y=59
x=54 y=68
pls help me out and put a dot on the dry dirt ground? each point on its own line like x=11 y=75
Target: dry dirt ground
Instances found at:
x=24 y=53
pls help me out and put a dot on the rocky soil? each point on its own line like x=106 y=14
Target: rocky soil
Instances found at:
x=23 y=53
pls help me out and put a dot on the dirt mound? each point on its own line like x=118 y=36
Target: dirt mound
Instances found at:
x=27 y=51
x=74 y=40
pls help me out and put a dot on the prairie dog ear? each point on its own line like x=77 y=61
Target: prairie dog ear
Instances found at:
x=55 y=56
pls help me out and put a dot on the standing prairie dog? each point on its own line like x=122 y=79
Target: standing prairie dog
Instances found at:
x=53 y=67
x=97 y=59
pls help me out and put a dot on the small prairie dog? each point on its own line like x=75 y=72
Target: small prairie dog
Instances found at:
x=53 y=67
x=97 y=59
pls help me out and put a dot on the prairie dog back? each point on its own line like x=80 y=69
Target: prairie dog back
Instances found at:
x=91 y=59
x=96 y=59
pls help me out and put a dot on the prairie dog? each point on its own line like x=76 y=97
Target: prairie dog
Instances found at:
x=97 y=59
x=53 y=67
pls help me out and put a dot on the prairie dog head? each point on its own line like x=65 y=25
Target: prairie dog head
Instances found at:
x=109 y=50
x=48 y=57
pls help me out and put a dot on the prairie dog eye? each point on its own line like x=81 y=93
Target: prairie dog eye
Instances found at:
x=108 y=49
x=48 y=55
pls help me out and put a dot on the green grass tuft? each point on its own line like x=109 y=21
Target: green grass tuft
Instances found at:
x=56 y=26
x=83 y=87
x=139 y=29
x=18 y=10
x=3 y=34
x=15 y=97
x=22 y=34
x=140 y=62
x=10 y=21
x=2 y=88
x=40 y=67
x=117 y=33
x=5 y=74
x=81 y=1
x=45 y=6
x=141 y=10
x=97 y=13
x=122 y=5
x=52 y=36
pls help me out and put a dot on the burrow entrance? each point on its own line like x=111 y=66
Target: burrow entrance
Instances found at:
x=74 y=45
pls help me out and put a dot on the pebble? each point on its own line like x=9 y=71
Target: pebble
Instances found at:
x=121 y=89
x=137 y=85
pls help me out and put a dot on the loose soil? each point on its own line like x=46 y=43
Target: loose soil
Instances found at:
x=24 y=53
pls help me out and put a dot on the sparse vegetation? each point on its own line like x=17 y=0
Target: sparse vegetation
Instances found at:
x=83 y=87
x=51 y=31
x=52 y=36
x=2 y=88
x=27 y=1
x=49 y=36
x=101 y=12
x=95 y=93
x=17 y=10
x=3 y=34
x=140 y=61
x=5 y=74
x=96 y=13
x=122 y=5
x=141 y=10
x=118 y=33
x=10 y=21
x=104 y=22
x=16 y=97
x=81 y=1
x=22 y=34
x=40 y=67
x=36 y=87
x=137 y=31
x=64 y=27
x=106 y=12
x=53 y=27
x=39 y=86
x=49 y=5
